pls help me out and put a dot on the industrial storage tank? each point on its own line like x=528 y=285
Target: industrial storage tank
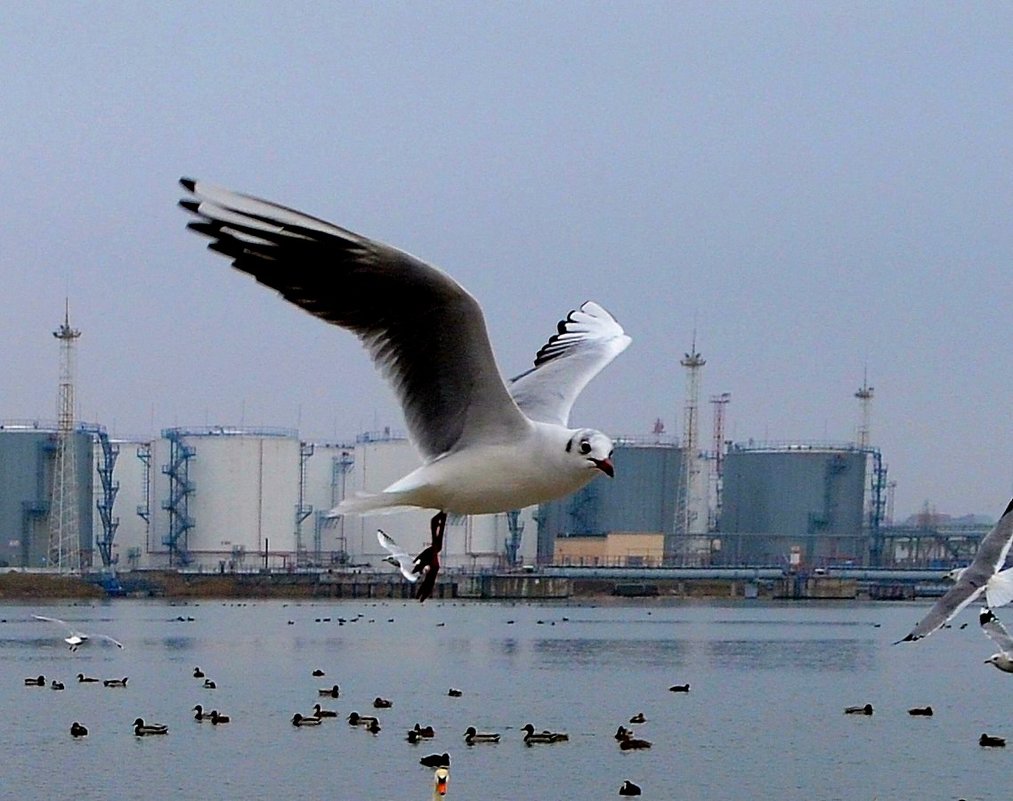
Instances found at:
x=225 y=497
x=27 y=454
x=801 y=499
x=641 y=498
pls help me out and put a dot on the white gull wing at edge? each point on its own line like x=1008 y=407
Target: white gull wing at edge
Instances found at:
x=991 y=556
x=71 y=631
x=584 y=343
x=999 y=589
x=996 y=631
x=423 y=330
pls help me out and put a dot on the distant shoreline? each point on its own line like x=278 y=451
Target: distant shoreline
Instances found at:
x=172 y=585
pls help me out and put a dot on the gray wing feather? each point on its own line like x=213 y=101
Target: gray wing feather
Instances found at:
x=584 y=343
x=426 y=334
x=70 y=629
x=990 y=556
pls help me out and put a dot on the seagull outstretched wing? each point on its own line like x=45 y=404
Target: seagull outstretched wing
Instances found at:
x=397 y=556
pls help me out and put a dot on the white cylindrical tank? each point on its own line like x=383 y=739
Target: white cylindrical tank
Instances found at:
x=226 y=495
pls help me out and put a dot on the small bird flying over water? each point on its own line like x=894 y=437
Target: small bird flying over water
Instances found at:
x=996 y=631
x=487 y=445
x=75 y=638
x=396 y=555
x=983 y=575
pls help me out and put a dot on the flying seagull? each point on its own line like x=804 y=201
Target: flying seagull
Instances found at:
x=996 y=631
x=425 y=566
x=75 y=639
x=983 y=575
x=396 y=555
x=487 y=445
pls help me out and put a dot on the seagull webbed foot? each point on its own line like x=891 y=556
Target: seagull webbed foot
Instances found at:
x=427 y=563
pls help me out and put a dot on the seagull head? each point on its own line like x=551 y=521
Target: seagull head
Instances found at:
x=592 y=449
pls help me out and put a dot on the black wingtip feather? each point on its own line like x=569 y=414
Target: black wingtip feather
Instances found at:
x=1010 y=506
x=189 y=184
x=190 y=205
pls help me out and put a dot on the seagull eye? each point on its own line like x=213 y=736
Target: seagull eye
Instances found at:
x=585 y=448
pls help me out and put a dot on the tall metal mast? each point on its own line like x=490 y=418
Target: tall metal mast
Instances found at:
x=719 y=402
x=864 y=396
x=64 y=525
x=685 y=508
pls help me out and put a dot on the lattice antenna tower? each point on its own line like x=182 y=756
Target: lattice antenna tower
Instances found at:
x=685 y=506
x=64 y=525
x=864 y=396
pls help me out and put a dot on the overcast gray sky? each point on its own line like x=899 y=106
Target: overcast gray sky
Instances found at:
x=816 y=187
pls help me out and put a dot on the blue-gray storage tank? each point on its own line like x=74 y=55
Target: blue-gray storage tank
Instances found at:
x=26 y=484
x=807 y=497
x=640 y=498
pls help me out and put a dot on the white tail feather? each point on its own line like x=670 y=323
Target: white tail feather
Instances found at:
x=370 y=503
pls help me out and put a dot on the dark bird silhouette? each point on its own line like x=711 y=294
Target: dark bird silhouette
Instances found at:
x=436 y=760
x=989 y=741
x=923 y=711
x=679 y=688
x=859 y=710
x=629 y=788
x=77 y=730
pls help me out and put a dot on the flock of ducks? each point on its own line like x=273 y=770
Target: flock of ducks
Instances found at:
x=625 y=737
x=55 y=684
x=986 y=740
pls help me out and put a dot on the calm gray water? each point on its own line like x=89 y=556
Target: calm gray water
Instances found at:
x=764 y=718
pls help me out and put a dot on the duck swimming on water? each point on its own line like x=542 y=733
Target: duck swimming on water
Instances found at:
x=531 y=737
x=142 y=729
x=472 y=736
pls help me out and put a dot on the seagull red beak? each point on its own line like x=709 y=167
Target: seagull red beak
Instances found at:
x=605 y=465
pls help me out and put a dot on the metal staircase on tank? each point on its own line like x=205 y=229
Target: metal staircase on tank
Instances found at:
x=106 y=501
x=144 y=509
x=181 y=488
x=877 y=508
x=303 y=509
x=512 y=545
